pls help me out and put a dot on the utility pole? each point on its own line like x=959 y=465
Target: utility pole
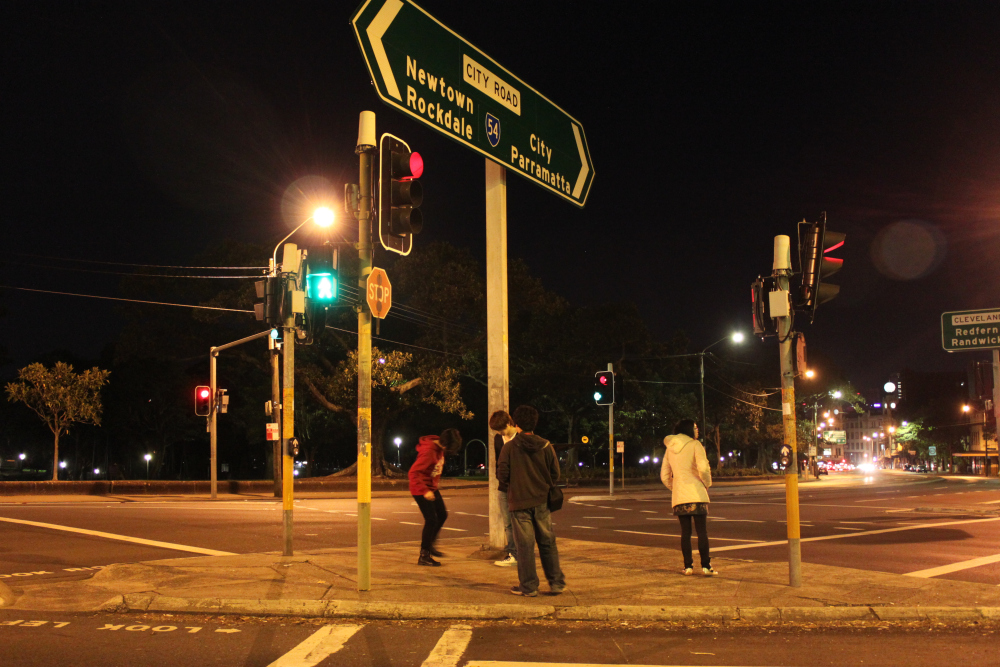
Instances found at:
x=498 y=378
x=611 y=444
x=365 y=149
x=781 y=308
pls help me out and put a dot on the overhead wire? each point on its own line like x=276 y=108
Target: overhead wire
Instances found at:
x=151 y=266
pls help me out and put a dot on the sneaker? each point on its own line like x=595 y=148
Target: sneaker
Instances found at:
x=709 y=571
x=556 y=590
x=688 y=571
x=516 y=590
x=506 y=562
x=425 y=559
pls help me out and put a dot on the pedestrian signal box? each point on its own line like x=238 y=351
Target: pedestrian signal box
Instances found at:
x=604 y=387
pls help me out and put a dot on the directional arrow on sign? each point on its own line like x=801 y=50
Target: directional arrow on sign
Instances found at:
x=429 y=72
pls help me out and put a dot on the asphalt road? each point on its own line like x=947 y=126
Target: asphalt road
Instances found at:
x=98 y=640
x=851 y=521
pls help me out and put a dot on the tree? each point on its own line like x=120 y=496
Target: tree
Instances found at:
x=60 y=397
x=399 y=383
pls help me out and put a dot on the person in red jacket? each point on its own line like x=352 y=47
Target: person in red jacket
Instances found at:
x=424 y=475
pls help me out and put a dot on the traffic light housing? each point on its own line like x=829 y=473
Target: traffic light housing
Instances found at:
x=322 y=283
x=817 y=266
x=604 y=387
x=202 y=401
x=399 y=195
x=267 y=305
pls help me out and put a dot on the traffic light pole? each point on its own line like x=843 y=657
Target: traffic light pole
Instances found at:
x=786 y=350
x=287 y=428
x=213 y=415
x=611 y=444
x=365 y=149
x=275 y=413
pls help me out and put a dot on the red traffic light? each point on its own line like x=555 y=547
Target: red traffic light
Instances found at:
x=603 y=379
x=202 y=401
x=416 y=165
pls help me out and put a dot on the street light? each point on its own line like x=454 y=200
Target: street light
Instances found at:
x=736 y=338
x=837 y=394
x=147 y=457
x=322 y=216
x=398 y=441
x=810 y=373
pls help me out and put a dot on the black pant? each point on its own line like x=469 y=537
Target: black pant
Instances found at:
x=701 y=524
x=434 y=516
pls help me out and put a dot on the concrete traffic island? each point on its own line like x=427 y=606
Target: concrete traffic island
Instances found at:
x=606 y=582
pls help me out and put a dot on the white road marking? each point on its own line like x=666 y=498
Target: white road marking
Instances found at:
x=406 y=512
x=508 y=663
x=846 y=528
x=122 y=538
x=587 y=527
x=410 y=523
x=485 y=516
x=449 y=649
x=716 y=518
x=317 y=647
x=724 y=539
x=839 y=536
x=866 y=523
x=598 y=517
x=649 y=511
x=955 y=567
x=461 y=530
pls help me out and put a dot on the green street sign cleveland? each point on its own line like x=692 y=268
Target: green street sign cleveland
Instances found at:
x=963 y=330
x=429 y=72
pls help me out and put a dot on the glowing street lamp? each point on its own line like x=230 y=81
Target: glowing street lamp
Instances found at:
x=22 y=456
x=837 y=394
x=736 y=337
x=399 y=442
x=810 y=373
x=148 y=457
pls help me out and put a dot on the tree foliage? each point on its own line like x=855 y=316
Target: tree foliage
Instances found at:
x=60 y=398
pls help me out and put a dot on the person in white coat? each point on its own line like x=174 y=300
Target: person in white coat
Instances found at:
x=687 y=474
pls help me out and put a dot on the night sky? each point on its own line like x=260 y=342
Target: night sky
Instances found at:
x=145 y=133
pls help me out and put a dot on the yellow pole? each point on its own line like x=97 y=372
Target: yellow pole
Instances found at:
x=365 y=149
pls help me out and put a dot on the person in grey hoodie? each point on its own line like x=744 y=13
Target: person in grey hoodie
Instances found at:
x=528 y=467
x=687 y=474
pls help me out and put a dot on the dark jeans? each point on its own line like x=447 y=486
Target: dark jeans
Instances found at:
x=701 y=524
x=530 y=526
x=508 y=529
x=434 y=516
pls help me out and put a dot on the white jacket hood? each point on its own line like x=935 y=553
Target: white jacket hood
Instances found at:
x=676 y=443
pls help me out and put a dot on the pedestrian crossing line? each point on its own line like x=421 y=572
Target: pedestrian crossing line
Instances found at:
x=460 y=530
x=716 y=518
x=484 y=516
x=587 y=527
x=449 y=649
x=317 y=647
x=649 y=511
x=846 y=528
x=410 y=523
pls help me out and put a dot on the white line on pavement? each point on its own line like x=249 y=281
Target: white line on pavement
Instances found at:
x=715 y=518
x=317 y=647
x=461 y=530
x=649 y=511
x=122 y=538
x=410 y=523
x=587 y=527
x=449 y=649
x=955 y=567
x=485 y=516
x=866 y=523
x=598 y=517
x=508 y=663
x=846 y=528
x=724 y=539
x=840 y=536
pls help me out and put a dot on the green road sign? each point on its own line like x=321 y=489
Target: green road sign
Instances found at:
x=431 y=73
x=969 y=330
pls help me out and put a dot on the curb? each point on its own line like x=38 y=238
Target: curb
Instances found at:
x=422 y=611
x=6 y=595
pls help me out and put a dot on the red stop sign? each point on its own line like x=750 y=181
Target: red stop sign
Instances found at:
x=379 y=293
